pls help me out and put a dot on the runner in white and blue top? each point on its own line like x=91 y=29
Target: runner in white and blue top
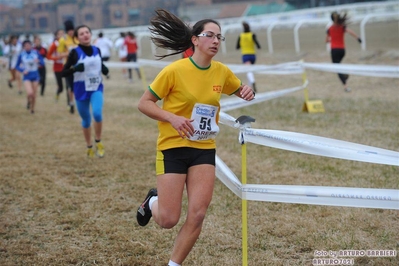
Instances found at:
x=85 y=64
x=28 y=64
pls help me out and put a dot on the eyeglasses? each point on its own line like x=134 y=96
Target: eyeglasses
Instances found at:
x=212 y=35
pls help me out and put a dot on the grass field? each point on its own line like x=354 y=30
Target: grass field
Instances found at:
x=58 y=207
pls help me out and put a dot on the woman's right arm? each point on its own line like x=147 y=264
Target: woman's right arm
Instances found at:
x=147 y=105
x=238 y=43
x=18 y=65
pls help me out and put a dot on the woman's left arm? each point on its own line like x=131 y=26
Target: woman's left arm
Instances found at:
x=245 y=92
x=353 y=34
x=71 y=61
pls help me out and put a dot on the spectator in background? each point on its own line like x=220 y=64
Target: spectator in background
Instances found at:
x=246 y=42
x=131 y=44
x=58 y=59
x=122 y=50
x=12 y=50
x=28 y=63
x=37 y=42
x=336 y=38
x=105 y=46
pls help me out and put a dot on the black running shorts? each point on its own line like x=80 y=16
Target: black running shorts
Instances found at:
x=178 y=160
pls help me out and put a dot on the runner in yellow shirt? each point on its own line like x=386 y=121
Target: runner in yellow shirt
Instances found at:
x=246 y=42
x=188 y=123
x=66 y=45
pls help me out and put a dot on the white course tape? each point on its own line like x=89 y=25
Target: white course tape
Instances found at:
x=314 y=145
x=330 y=196
x=282 y=69
x=361 y=70
x=279 y=69
x=235 y=103
x=227 y=119
x=315 y=195
x=320 y=146
x=227 y=177
x=140 y=62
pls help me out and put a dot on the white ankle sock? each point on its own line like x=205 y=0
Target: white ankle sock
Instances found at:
x=152 y=200
x=172 y=263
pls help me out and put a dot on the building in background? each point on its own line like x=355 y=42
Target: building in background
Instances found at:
x=46 y=16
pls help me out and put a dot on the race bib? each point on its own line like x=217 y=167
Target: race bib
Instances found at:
x=93 y=77
x=31 y=65
x=204 y=123
x=92 y=81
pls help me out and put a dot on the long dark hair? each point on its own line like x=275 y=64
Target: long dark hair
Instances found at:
x=170 y=32
x=246 y=27
x=339 y=19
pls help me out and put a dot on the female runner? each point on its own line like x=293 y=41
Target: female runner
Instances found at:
x=188 y=124
x=85 y=64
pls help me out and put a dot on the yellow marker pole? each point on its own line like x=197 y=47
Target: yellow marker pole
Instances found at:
x=244 y=121
x=304 y=79
x=244 y=206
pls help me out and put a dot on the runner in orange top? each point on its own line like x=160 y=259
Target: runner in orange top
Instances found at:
x=335 y=36
x=58 y=59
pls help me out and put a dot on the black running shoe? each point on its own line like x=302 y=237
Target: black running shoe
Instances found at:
x=72 y=109
x=9 y=84
x=144 y=213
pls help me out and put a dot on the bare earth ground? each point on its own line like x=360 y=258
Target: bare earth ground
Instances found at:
x=59 y=208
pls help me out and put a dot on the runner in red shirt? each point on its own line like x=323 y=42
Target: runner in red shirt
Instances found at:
x=335 y=36
x=58 y=60
x=131 y=44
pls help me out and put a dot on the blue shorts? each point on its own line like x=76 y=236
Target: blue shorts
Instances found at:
x=178 y=160
x=249 y=57
x=31 y=76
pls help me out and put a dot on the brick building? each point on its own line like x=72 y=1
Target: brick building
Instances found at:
x=44 y=16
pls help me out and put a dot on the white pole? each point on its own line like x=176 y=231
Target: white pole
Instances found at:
x=269 y=36
x=296 y=35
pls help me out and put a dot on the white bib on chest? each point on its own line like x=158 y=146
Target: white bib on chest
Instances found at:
x=205 y=126
x=30 y=62
x=92 y=72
